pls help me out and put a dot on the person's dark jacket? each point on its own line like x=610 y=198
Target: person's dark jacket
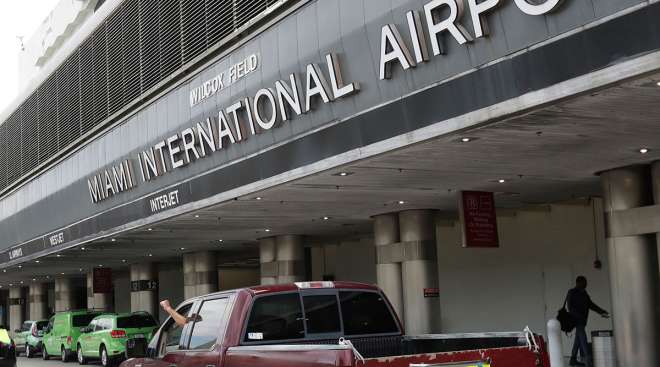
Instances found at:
x=579 y=303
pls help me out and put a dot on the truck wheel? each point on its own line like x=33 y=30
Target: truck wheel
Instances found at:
x=81 y=358
x=64 y=356
x=28 y=351
x=44 y=354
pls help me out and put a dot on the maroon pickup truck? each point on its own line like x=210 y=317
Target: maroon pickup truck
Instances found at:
x=318 y=324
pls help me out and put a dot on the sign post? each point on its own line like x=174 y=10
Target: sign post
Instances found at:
x=478 y=219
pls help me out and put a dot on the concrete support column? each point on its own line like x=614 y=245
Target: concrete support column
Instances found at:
x=64 y=295
x=16 y=309
x=97 y=301
x=655 y=174
x=200 y=274
x=290 y=258
x=144 y=288
x=419 y=270
x=267 y=260
x=633 y=272
x=38 y=301
x=388 y=271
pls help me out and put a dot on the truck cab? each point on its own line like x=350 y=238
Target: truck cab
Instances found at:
x=303 y=324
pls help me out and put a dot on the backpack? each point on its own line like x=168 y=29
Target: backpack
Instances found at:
x=566 y=320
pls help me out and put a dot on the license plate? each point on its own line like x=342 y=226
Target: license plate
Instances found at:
x=138 y=336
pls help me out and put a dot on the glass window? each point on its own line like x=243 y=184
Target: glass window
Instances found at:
x=41 y=325
x=170 y=336
x=209 y=323
x=366 y=313
x=84 y=319
x=322 y=314
x=136 y=321
x=26 y=326
x=277 y=317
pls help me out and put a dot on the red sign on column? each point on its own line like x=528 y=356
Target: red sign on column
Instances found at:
x=478 y=219
x=102 y=281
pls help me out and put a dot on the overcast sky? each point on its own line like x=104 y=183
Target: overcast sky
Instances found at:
x=17 y=18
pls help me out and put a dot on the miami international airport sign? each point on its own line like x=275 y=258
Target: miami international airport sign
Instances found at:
x=268 y=107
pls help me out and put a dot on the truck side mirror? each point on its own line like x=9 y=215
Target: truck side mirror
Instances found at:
x=136 y=348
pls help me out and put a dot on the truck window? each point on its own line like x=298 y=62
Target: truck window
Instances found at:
x=170 y=336
x=366 y=313
x=322 y=314
x=276 y=317
x=210 y=320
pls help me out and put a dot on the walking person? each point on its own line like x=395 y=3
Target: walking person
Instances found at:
x=579 y=303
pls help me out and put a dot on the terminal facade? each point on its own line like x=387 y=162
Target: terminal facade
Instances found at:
x=166 y=149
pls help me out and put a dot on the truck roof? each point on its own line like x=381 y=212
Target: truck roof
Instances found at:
x=263 y=289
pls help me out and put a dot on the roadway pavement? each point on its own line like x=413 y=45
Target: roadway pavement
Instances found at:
x=38 y=362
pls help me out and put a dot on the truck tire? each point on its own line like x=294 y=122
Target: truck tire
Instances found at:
x=81 y=358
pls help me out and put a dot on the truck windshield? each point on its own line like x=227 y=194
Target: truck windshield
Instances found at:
x=84 y=319
x=135 y=321
x=366 y=313
x=41 y=325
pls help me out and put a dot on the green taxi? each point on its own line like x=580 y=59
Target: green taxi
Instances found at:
x=105 y=337
x=28 y=338
x=62 y=333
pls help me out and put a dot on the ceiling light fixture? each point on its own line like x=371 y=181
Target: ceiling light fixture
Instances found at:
x=150 y=255
x=220 y=240
x=150 y=229
x=183 y=248
x=82 y=248
x=267 y=230
x=123 y=260
x=58 y=255
x=401 y=202
x=658 y=84
x=258 y=198
x=37 y=261
x=343 y=174
x=20 y=266
x=113 y=240
x=644 y=150
x=326 y=218
x=466 y=140
x=196 y=215
x=501 y=180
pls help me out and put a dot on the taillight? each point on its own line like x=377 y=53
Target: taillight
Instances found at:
x=118 y=333
x=69 y=340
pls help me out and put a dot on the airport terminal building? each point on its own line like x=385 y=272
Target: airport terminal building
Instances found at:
x=470 y=157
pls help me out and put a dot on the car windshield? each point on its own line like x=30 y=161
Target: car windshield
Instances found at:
x=84 y=319
x=41 y=325
x=135 y=321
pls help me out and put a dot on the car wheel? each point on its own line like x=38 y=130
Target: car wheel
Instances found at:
x=63 y=356
x=44 y=354
x=28 y=351
x=81 y=358
x=105 y=358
